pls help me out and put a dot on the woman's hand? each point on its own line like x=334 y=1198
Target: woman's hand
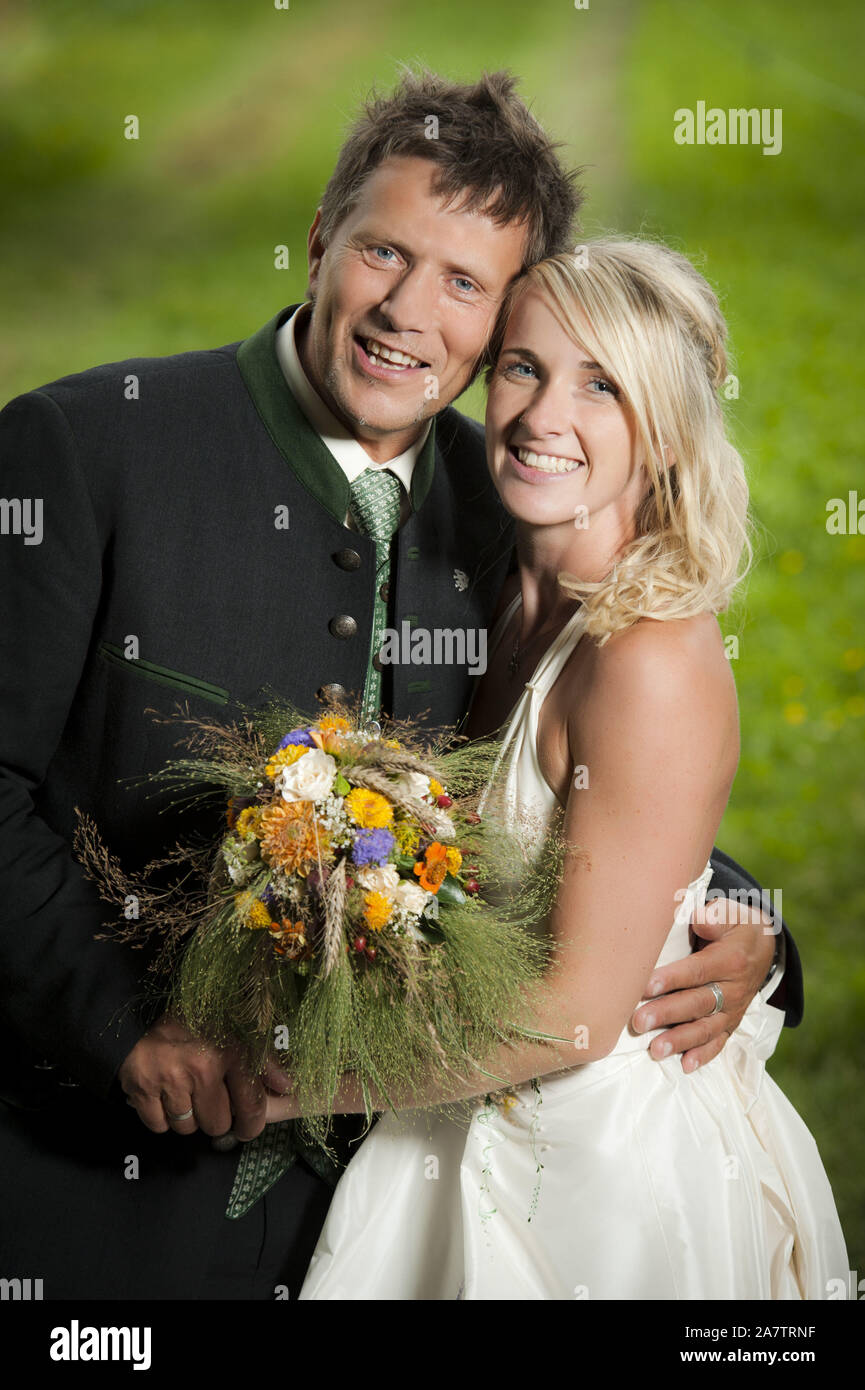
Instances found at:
x=280 y=1107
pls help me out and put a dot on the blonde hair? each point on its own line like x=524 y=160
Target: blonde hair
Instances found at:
x=651 y=321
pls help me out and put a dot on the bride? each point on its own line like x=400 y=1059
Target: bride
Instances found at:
x=599 y=1173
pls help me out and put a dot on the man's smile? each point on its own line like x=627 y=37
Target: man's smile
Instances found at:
x=386 y=363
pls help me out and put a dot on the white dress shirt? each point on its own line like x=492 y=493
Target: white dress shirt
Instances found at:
x=349 y=454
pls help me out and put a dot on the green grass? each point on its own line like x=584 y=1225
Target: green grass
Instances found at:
x=111 y=248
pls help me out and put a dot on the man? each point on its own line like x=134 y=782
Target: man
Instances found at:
x=211 y=532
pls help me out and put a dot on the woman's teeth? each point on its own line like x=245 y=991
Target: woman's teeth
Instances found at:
x=377 y=352
x=547 y=463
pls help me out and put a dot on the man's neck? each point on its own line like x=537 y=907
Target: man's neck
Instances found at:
x=381 y=448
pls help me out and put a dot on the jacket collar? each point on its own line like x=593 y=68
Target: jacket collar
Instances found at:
x=303 y=450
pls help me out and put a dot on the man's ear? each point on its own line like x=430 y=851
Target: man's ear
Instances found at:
x=314 y=251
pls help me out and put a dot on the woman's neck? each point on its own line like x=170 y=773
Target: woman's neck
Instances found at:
x=543 y=552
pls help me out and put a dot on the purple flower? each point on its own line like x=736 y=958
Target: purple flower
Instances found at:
x=297 y=736
x=372 y=847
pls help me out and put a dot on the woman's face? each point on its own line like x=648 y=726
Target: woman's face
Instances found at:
x=560 y=441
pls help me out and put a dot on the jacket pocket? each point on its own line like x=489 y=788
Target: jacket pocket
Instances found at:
x=162 y=675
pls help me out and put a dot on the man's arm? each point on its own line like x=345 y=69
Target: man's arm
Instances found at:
x=64 y=993
x=745 y=942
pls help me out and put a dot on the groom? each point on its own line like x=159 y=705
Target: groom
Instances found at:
x=218 y=525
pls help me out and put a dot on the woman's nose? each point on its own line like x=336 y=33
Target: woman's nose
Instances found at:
x=550 y=412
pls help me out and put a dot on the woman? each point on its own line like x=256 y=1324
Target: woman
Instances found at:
x=612 y=1176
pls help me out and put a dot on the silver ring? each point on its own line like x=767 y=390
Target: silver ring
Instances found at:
x=187 y=1115
x=719 y=999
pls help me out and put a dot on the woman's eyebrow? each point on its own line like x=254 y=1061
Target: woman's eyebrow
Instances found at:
x=527 y=352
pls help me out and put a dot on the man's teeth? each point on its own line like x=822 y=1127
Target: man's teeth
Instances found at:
x=547 y=463
x=376 y=351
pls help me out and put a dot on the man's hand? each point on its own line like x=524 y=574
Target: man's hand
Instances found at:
x=737 y=960
x=176 y=1081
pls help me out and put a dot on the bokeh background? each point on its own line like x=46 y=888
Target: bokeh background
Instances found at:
x=111 y=248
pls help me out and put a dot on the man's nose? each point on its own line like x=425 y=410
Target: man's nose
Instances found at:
x=410 y=303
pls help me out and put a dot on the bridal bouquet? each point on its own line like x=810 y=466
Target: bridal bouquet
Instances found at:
x=356 y=914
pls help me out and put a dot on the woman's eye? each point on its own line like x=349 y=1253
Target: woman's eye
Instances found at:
x=605 y=387
x=518 y=369
x=463 y=285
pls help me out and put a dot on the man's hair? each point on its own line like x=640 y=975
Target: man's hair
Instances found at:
x=492 y=155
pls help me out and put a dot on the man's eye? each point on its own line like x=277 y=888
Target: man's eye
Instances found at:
x=380 y=252
x=463 y=285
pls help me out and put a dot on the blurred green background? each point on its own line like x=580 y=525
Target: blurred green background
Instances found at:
x=111 y=248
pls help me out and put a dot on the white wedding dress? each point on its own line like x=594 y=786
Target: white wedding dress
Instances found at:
x=623 y=1178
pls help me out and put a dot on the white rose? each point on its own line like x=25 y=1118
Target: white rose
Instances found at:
x=413 y=784
x=379 y=879
x=309 y=779
x=411 y=896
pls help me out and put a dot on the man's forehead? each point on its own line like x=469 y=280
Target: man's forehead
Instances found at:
x=397 y=190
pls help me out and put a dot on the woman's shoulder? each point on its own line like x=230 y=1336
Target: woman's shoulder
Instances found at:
x=676 y=670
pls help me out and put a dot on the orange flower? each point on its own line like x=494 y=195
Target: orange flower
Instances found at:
x=432 y=871
x=288 y=837
x=289 y=938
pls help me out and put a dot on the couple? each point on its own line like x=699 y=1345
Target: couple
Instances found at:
x=167 y=570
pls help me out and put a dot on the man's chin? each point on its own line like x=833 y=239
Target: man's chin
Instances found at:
x=380 y=424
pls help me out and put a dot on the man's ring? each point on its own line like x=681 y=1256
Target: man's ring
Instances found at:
x=187 y=1115
x=719 y=999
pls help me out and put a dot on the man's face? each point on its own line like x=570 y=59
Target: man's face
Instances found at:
x=405 y=297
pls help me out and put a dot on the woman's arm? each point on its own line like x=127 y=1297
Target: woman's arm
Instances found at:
x=654 y=722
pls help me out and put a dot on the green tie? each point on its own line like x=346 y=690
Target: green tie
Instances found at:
x=375 y=509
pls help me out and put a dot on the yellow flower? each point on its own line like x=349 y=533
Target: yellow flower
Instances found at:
x=249 y=821
x=453 y=859
x=368 y=809
x=435 y=788
x=334 y=724
x=407 y=836
x=285 y=757
x=377 y=910
x=252 y=911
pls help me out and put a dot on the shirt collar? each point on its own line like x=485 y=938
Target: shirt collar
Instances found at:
x=299 y=443
x=349 y=454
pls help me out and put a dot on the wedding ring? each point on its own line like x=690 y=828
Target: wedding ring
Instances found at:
x=187 y=1115
x=719 y=999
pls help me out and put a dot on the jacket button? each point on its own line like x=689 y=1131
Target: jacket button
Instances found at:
x=384 y=593
x=332 y=693
x=348 y=559
x=377 y=662
x=343 y=626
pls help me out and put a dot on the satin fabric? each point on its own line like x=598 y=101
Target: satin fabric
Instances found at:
x=623 y=1178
